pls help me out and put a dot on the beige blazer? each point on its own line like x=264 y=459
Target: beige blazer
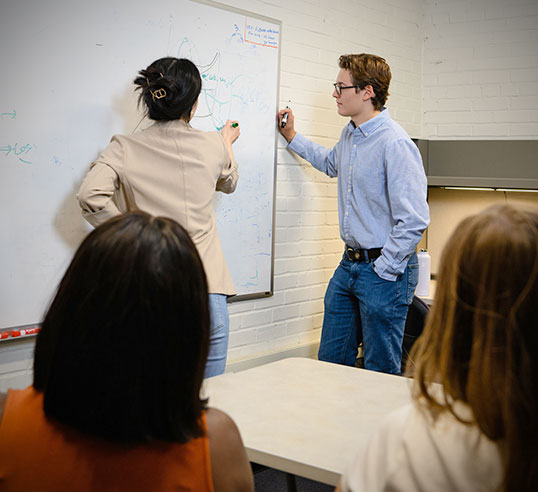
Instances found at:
x=172 y=170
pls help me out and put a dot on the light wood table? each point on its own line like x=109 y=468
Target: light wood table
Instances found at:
x=306 y=417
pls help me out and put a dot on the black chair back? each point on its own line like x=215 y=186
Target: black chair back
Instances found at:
x=416 y=318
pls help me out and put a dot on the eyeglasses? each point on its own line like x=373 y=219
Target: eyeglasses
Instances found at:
x=339 y=88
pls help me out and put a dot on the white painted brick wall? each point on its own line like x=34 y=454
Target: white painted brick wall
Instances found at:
x=16 y=362
x=307 y=241
x=480 y=69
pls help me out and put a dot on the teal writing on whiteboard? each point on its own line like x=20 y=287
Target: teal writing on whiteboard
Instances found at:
x=17 y=150
x=87 y=55
x=11 y=114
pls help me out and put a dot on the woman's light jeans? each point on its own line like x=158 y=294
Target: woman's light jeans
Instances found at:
x=218 y=338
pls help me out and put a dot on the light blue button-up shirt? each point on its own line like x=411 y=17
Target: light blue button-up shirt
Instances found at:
x=381 y=188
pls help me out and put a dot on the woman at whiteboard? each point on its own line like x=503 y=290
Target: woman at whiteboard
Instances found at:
x=172 y=169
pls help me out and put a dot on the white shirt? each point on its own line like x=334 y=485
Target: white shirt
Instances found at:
x=413 y=452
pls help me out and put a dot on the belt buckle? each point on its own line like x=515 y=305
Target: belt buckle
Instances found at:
x=353 y=254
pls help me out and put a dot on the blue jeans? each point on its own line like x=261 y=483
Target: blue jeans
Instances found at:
x=360 y=306
x=218 y=335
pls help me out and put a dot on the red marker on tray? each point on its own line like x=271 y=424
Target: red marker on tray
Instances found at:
x=30 y=331
x=19 y=333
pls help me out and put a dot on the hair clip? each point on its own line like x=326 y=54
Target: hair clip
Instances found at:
x=161 y=74
x=158 y=94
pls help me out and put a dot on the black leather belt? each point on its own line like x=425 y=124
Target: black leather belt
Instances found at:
x=353 y=254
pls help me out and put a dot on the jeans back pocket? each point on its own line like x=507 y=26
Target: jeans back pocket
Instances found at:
x=412 y=278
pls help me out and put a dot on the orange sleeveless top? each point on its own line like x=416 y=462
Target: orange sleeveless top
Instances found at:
x=39 y=454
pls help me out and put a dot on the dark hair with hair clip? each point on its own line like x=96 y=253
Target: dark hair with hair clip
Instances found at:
x=169 y=88
x=122 y=349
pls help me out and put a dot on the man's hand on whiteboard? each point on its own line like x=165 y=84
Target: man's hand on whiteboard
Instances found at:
x=230 y=132
x=288 y=129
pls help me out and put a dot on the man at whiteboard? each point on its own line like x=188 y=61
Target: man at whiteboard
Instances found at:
x=382 y=212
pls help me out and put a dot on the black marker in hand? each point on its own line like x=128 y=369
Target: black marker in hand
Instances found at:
x=285 y=117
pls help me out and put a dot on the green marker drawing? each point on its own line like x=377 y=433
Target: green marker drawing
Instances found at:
x=234 y=125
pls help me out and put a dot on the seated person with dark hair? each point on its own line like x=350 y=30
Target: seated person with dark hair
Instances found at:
x=119 y=362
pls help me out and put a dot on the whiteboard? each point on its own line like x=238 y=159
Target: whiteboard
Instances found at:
x=68 y=67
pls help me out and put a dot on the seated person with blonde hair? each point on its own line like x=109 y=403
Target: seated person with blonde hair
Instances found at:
x=478 y=431
x=119 y=362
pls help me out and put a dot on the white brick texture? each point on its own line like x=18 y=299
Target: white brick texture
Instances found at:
x=480 y=69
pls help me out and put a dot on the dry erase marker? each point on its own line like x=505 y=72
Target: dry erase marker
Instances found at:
x=29 y=331
x=234 y=125
x=285 y=117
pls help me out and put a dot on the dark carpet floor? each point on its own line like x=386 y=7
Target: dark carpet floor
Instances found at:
x=269 y=480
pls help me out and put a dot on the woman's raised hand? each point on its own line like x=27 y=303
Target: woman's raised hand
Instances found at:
x=230 y=131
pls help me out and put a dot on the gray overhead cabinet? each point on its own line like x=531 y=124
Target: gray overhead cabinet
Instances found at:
x=481 y=163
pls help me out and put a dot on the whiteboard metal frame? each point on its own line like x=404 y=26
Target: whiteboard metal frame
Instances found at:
x=247 y=13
